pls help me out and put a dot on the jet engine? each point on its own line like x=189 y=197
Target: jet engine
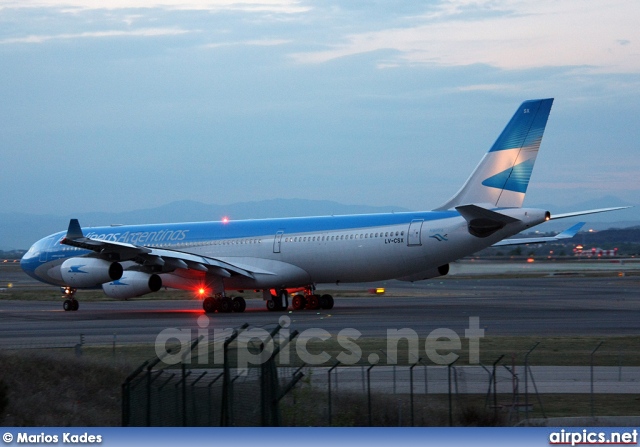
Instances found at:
x=427 y=274
x=89 y=272
x=132 y=284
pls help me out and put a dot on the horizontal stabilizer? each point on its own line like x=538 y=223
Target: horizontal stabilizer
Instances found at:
x=483 y=222
x=582 y=213
x=566 y=234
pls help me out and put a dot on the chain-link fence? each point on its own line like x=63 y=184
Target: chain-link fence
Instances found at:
x=232 y=395
x=421 y=394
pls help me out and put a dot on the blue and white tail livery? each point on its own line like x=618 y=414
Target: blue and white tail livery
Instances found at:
x=286 y=258
x=502 y=177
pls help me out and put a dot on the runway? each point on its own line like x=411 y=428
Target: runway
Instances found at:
x=547 y=306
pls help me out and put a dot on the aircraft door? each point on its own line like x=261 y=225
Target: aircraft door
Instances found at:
x=415 y=230
x=277 y=241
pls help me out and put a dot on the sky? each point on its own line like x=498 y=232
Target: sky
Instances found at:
x=126 y=104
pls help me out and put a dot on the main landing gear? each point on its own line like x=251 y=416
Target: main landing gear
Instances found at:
x=70 y=303
x=224 y=304
x=309 y=301
x=312 y=302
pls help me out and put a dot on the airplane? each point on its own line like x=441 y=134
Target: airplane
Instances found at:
x=288 y=257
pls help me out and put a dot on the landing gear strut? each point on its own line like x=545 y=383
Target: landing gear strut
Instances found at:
x=223 y=304
x=278 y=302
x=70 y=303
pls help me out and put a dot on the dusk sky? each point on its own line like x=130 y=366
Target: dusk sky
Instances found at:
x=126 y=104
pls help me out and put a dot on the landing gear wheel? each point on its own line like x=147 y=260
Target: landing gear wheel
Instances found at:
x=226 y=305
x=238 y=304
x=271 y=305
x=326 y=302
x=209 y=304
x=313 y=302
x=75 y=305
x=298 y=302
x=67 y=306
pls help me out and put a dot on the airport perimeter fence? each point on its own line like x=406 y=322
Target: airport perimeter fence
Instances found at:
x=227 y=396
x=470 y=395
x=501 y=393
x=362 y=395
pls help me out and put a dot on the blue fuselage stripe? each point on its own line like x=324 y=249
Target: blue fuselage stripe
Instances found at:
x=153 y=234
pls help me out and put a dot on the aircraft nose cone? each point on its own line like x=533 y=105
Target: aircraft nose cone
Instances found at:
x=24 y=261
x=27 y=263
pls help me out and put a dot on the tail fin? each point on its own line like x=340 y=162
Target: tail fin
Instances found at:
x=502 y=177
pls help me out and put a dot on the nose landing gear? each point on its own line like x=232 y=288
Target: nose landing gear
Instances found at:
x=70 y=303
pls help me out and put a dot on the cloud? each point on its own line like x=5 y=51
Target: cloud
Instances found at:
x=148 y=32
x=506 y=34
x=279 y=6
x=256 y=43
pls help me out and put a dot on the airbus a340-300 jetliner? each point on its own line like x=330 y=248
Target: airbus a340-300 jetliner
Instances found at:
x=284 y=256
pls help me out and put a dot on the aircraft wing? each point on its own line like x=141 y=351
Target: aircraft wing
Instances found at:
x=167 y=260
x=566 y=234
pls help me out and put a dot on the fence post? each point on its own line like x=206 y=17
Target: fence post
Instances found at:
x=526 y=381
x=411 y=388
x=592 y=353
x=149 y=368
x=495 y=387
x=329 y=389
x=226 y=378
x=449 y=366
x=369 y=394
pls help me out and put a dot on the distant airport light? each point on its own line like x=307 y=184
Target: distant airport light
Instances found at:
x=377 y=291
x=530 y=260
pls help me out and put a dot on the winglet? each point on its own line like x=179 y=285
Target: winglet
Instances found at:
x=570 y=232
x=74 y=231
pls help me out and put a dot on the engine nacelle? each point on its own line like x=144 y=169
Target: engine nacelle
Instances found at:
x=89 y=272
x=132 y=284
x=427 y=274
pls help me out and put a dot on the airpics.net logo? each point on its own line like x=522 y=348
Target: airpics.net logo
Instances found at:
x=254 y=346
